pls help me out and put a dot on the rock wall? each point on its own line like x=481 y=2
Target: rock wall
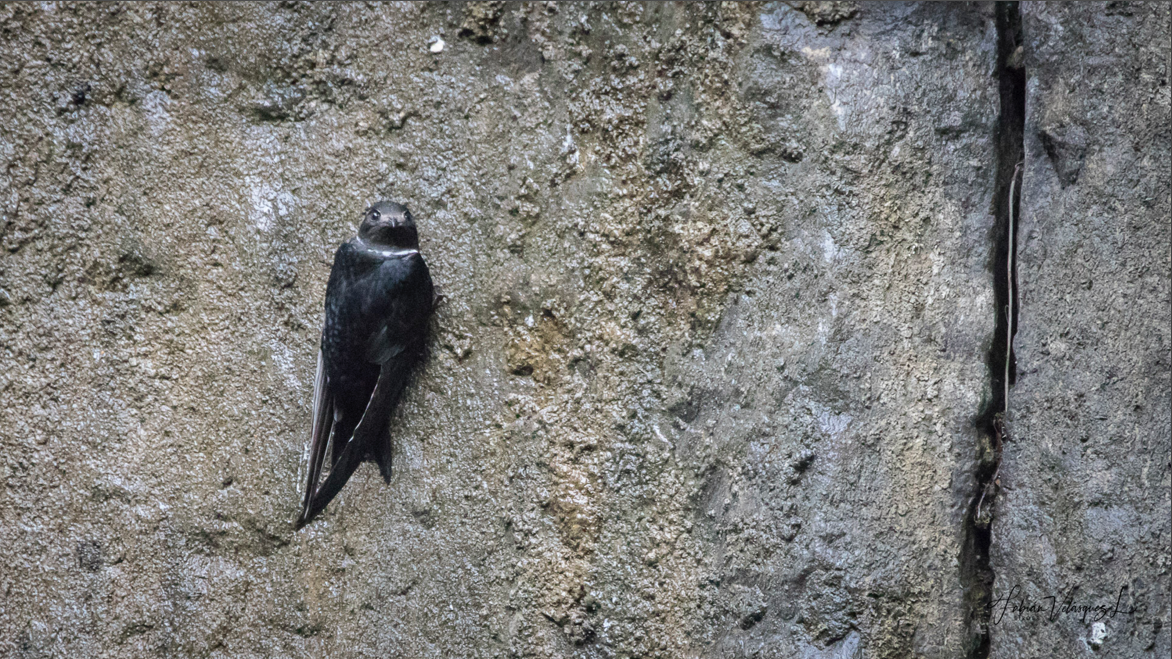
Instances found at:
x=717 y=358
x=1084 y=515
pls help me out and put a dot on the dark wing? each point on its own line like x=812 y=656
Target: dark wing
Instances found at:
x=319 y=437
x=371 y=431
x=370 y=434
x=396 y=346
x=394 y=369
x=382 y=348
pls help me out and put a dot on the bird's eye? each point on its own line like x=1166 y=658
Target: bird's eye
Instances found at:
x=375 y=215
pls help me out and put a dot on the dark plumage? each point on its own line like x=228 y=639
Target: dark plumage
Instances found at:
x=378 y=303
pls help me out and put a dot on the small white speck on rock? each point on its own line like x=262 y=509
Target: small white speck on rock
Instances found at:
x=1098 y=635
x=437 y=45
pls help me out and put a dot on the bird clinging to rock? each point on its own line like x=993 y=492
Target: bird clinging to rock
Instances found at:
x=379 y=300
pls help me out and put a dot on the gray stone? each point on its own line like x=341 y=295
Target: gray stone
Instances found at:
x=718 y=305
x=1084 y=509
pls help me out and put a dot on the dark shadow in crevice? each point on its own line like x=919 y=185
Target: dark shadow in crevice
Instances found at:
x=976 y=569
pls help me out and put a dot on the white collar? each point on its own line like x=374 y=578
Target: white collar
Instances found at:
x=385 y=252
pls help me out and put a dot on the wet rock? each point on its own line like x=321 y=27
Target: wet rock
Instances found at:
x=717 y=307
x=1083 y=514
x=278 y=102
x=89 y=555
x=481 y=20
x=1066 y=146
x=829 y=13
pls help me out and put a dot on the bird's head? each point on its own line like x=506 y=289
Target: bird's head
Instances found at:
x=389 y=224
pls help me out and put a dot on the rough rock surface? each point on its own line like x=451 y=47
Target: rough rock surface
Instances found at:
x=1085 y=506
x=718 y=309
